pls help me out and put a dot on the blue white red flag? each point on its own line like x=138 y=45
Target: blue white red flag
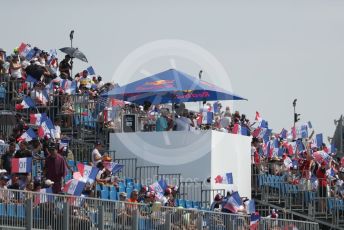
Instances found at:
x=74 y=187
x=300 y=145
x=207 y=118
x=159 y=187
x=36 y=118
x=233 y=203
x=43 y=198
x=87 y=172
x=258 y=117
x=216 y=107
x=318 y=140
x=91 y=71
x=284 y=133
x=26 y=103
x=27 y=136
x=309 y=124
x=46 y=128
x=113 y=166
x=21 y=165
x=321 y=156
x=264 y=124
x=251 y=207
x=227 y=178
x=238 y=129
x=254 y=221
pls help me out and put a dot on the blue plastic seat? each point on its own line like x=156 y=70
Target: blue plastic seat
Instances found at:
x=128 y=191
x=188 y=204
x=20 y=211
x=71 y=163
x=121 y=189
x=106 y=188
x=112 y=188
x=113 y=195
x=137 y=186
x=181 y=203
x=129 y=180
x=196 y=204
x=104 y=194
x=11 y=210
x=98 y=187
x=2 y=210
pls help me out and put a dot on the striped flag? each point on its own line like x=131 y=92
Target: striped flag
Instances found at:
x=227 y=178
x=87 y=172
x=43 y=198
x=254 y=221
x=36 y=118
x=207 y=118
x=21 y=165
x=233 y=203
x=26 y=103
x=74 y=187
x=27 y=136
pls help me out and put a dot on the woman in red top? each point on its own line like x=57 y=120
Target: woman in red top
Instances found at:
x=321 y=175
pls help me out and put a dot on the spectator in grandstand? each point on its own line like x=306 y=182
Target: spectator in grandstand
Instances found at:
x=7 y=157
x=122 y=196
x=142 y=193
x=322 y=178
x=23 y=150
x=57 y=125
x=65 y=67
x=182 y=122
x=55 y=168
x=161 y=122
x=104 y=175
x=15 y=67
x=100 y=82
x=37 y=185
x=216 y=205
x=134 y=196
x=96 y=156
x=167 y=199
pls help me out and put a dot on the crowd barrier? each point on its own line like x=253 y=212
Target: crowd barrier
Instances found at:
x=30 y=210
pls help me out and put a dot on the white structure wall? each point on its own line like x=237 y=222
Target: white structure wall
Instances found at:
x=197 y=155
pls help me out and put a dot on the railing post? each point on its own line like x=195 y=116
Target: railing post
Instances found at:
x=168 y=221
x=135 y=224
x=200 y=222
x=65 y=214
x=100 y=217
x=28 y=211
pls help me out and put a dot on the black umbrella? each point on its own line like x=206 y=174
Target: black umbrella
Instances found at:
x=74 y=53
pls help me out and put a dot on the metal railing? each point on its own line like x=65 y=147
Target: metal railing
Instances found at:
x=146 y=174
x=31 y=210
x=191 y=190
x=129 y=169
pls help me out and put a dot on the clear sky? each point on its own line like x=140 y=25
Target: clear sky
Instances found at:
x=273 y=51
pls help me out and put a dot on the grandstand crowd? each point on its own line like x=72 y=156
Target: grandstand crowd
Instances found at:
x=299 y=156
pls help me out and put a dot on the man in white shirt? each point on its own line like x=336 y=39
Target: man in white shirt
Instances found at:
x=96 y=156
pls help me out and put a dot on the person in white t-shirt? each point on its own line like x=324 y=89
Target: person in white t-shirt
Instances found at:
x=96 y=156
x=57 y=129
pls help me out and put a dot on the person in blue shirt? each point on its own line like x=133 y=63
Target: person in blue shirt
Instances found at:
x=161 y=122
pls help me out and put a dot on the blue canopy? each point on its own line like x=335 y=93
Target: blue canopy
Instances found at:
x=170 y=86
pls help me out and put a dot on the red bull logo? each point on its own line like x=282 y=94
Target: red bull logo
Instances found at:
x=160 y=82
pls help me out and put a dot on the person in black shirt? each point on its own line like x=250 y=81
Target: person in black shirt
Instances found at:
x=65 y=66
x=6 y=158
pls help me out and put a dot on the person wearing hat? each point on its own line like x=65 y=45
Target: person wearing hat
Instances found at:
x=122 y=196
x=96 y=156
x=55 y=168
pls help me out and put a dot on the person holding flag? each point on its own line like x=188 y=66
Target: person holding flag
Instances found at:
x=55 y=168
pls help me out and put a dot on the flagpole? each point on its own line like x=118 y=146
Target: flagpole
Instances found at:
x=71 y=36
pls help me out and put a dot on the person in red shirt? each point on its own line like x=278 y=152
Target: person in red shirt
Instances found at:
x=322 y=178
x=55 y=168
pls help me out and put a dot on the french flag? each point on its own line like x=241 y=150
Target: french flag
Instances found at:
x=74 y=187
x=63 y=144
x=254 y=221
x=251 y=207
x=26 y=103
x=36 y=118
x=29 y=135
x=24 y=49
x=238 y=129
x=207 y=118
x=293 y=133
x=21 y=165
x=46 y=127
x=321 y=156
x=113 y=167
x=43 y=198
x=216 y=107
x=91 y=71
x=317 y=141
x=224 y=179
x=233 y=203
x=258 y=117
x=87 y=172
x=284 y=133
x=159 y=187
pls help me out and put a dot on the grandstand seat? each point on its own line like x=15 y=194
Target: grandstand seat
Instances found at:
x=11 y=210
x=98 y=187
x=129 y=180
x=104 y=194
x=20 y=211
x=145 y=224
x=107 y=188
x=113 y=195
x=188 y=204
x=94 y=217
x=121 y=189
x=181 y=203
x=330 y=204
x=130 y=185
x=196 y=204
x=36 y=213
x=137 y=186
x=128 y=191
x=113 y=188
x=339 y=204
x=2 y=209
x=121 y=184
